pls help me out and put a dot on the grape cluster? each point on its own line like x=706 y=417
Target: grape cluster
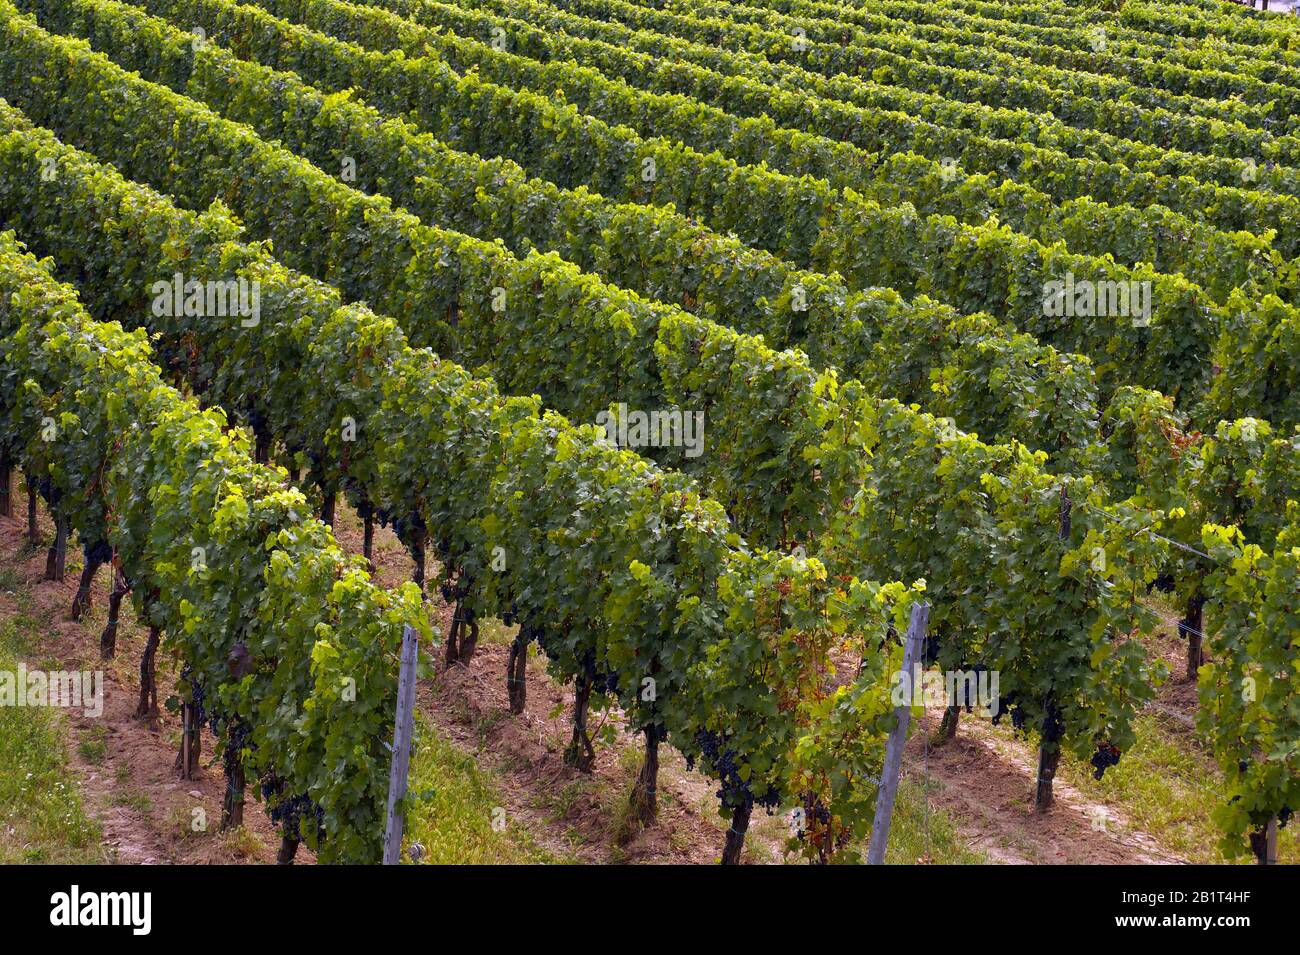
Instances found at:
x=722 y=759
x=606 y=683
x=929 y=650
x=603 y=682
x=289 y=812
x=1107 y=755
x=100 y=552
x=817 y=816
x=405 y=525
x=239 y=736
x=1163 y=583
x=257 y=420
x=1009 y=704
x=355 y=492
x=198 y=696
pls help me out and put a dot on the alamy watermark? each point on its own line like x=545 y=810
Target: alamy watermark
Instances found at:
x=666 y=428
x=215 y=298
x=936 y=689
x=133 y=910
x=67 y=689
x=1084 y=298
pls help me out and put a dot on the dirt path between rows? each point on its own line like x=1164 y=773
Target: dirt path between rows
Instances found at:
x=986 y=784
x=123 y=766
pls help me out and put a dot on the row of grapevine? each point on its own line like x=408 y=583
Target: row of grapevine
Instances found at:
x=872 y=245
x=1274 y=104
x=1253 y=733
x=1211 y=73
x=1167 y=24
x=1172 y=241
x=896 y=347
x=1029 y=11
x=134 y=465
x=987 y=378
x=1057 y=686
x=620 y=571
x=1232 y=194
x=1264 y=33
x=707 y=73
x=1232 y=129
x=1026 y=11
x=1170 y=26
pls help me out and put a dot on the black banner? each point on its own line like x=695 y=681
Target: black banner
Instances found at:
x=141 y=905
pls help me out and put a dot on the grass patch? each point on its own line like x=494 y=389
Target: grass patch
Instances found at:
x=1169 y=790
x=41 y=815
x=241 y=843
x=916 y=835
x=94 y=745
x=492 y=631
x=457 y=816
x=133 y=800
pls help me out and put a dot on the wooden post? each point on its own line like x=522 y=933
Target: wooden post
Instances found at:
x=185 y=741
x=894 y=748
x=1270 y=842
x=403 y=730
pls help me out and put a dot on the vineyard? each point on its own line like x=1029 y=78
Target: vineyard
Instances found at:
x=725 y=371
